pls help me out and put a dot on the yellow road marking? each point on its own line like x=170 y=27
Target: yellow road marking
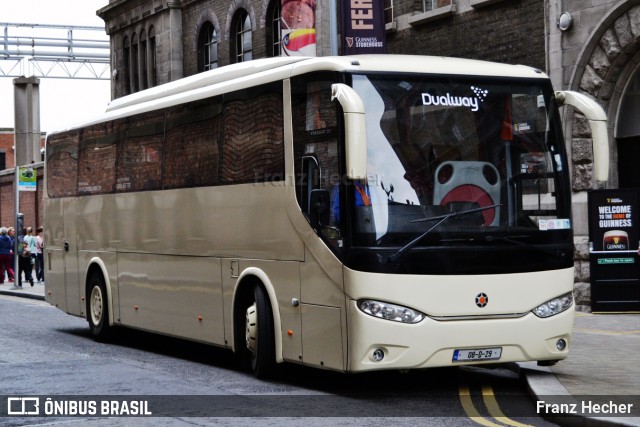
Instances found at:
x=494 y=409
x=470 y=410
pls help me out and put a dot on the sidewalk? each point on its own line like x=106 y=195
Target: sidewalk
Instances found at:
x=27 y=291
x=603 y=364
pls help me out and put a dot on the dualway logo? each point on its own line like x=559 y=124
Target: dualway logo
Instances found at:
x=449 y=100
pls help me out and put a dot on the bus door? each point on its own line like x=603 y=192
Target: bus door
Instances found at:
x=70 y=259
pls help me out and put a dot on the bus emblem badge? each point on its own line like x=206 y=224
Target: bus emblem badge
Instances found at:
x=482 y=299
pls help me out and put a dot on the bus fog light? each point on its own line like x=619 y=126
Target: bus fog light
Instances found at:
x=561 y=344
x=554 y=306
x=387 y=311
x=378 y=355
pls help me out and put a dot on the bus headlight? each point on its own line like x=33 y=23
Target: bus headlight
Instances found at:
x=387 y=311
x=554 y=306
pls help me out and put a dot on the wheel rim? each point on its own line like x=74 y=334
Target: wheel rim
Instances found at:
x=251 y=332
x=96 y=305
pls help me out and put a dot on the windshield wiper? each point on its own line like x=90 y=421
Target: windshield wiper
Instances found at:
x=440 y=218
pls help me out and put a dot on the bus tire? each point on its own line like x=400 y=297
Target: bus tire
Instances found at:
x=259 y=334
x=98 y=308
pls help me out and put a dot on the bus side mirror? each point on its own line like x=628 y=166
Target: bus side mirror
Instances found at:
x=598 y=122
x=355 y=130
x=319 y=208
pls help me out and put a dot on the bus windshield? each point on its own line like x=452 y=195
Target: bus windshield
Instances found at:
x=487 y=149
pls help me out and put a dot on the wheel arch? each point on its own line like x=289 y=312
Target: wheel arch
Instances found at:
x=247 y=278
x=97 y=265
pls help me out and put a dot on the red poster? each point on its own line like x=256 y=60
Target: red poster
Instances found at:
x=298 y=27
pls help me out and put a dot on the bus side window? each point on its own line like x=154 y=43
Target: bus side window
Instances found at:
x=62 y=164
x=192 y=144
x=253 y=141
x=97 y=155
x=317 y=153
x=139 y=156
x=310 y=180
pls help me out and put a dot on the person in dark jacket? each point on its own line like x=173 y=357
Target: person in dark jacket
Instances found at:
x=6 y=250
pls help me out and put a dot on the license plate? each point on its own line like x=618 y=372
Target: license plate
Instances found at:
x=470 y=354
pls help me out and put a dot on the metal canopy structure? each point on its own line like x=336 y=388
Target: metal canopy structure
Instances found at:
x=54 y=51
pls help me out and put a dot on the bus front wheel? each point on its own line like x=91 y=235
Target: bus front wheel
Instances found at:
x=259 y=334
x=98 y=308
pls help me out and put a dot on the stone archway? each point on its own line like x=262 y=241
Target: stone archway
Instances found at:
x=627 y=127
x=606 y=64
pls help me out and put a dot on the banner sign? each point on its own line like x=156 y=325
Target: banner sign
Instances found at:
x=363 y=29
x=298 y=27
x=614 y=252
x=26 y=179
x=613 y=225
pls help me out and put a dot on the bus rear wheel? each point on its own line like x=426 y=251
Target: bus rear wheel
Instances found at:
x=259 y=334
x=98 y=308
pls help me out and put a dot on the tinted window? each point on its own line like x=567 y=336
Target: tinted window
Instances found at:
x=96 y=174
x=62 y=164
x=253 y=147
x=193 y=144
x=140 y=154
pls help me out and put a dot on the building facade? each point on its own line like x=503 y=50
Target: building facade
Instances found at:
x=158 y=41
x=590 y=46
x=30 y=202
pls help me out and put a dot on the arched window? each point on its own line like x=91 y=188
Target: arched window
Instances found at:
x=274 y=29
x=134 y=63
x=153 y=59
x=628 y=135
x=207 y=47
x=144 y=70
x=126 y=66
x=243 y=44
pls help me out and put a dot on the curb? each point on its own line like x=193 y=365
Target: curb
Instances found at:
x=541 y=381
x=22 y=294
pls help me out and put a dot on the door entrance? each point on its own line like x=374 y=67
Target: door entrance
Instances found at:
x=628 y=162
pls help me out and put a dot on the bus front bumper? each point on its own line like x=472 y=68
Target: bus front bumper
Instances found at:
x=433 y=343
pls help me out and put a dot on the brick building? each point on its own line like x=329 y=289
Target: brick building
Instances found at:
x=7 y=148
x=30 y=202
x=157 y=41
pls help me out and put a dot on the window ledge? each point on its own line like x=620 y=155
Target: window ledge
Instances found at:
x=481 y=3
x=432 y=15
x=391 y=27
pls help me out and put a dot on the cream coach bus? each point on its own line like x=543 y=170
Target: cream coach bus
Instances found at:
x=347 y=213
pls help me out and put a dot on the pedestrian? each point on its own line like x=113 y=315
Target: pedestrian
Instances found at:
x=6 y=249
x=11 y=232
x=24 y=258
x=40 y=255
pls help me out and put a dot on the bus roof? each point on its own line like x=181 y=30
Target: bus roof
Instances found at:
x=250 y=73
x=218 y=75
